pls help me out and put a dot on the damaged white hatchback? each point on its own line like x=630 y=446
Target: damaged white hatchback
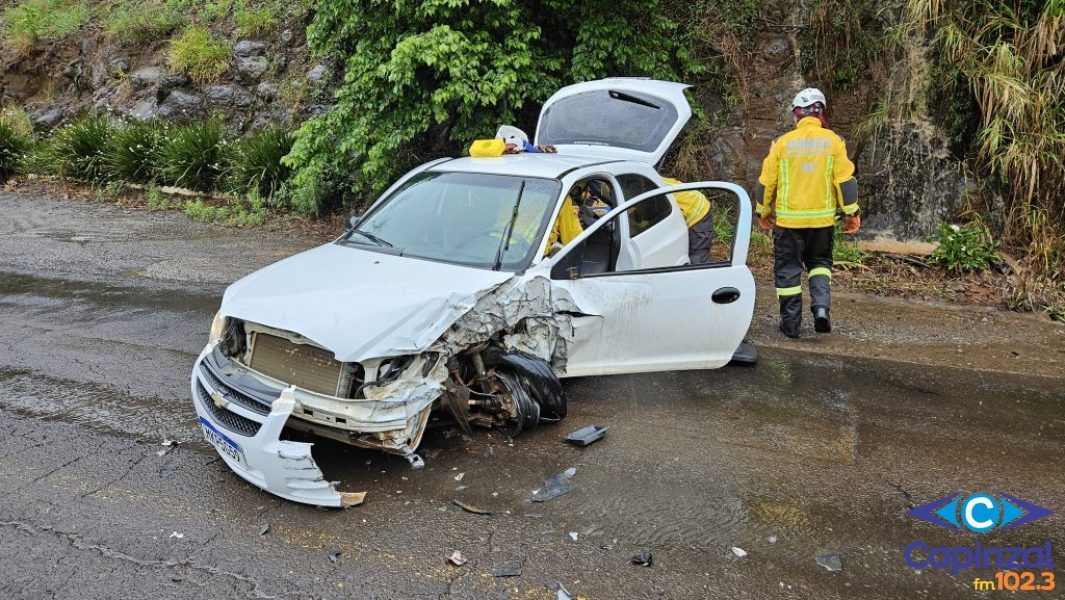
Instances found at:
x=451 y=297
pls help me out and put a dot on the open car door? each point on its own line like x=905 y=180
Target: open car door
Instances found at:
x=643 y=307
x=622 y=118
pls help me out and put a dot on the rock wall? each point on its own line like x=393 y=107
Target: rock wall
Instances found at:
x=269 y=80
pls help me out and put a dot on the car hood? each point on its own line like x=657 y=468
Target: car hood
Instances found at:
x=357 y=303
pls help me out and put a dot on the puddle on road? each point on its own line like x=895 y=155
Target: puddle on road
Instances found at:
x=102 y=295
x=99 y=408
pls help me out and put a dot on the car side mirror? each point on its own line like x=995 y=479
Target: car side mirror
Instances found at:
x=353 y=221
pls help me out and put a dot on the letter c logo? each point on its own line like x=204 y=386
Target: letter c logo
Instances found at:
x=980 y=512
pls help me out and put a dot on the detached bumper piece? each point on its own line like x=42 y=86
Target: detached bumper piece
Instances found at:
x=246 y=432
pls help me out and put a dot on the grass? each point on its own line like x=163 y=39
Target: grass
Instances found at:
x=31 y=20
x=78 y=150
x=135 y=152
x=141 y=22
x=846 y=253
x=14 y=145
x=255 y=162
x=199 y=55
x=193 y=156
x=18 y=120
x=256 y=20
x=247 y=211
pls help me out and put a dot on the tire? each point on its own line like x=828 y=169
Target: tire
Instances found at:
x=538 y=378
x=528 y=410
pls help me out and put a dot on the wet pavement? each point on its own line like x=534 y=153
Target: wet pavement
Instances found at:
x=821 y=448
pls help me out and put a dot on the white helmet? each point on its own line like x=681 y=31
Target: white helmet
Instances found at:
x=807 y=97
x=512 y=135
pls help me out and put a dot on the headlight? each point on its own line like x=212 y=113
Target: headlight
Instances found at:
x=217 y=325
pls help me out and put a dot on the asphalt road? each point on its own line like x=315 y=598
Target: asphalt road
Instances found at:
x=817 y=450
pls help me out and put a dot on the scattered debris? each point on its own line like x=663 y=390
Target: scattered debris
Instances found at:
x=506 y=571
x=471 y=508
x=586 y=435
x=416 y=462
x=168 y=445
x=176 y=535
x=739 y=552
x=643 y=559
x=352 y=499
x=457 y=558
x=573 y=535
x=772 y=539
x=534 y=515
x=459 y=476
x=563 y=594
x=555 y=486
x=264 y=528
x=334 y=557
x=832 y=562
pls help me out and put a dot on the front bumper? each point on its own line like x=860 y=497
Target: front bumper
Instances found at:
x=248 y=439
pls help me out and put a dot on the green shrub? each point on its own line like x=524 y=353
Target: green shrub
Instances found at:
x=425 y=80
x=846 y=253
x=196 y=53
x=255 y=163
x=134 y=154
x=31 y=20
x=79 y=149
x=964 y=249
x=247 y=211
x=257 y=20
x=193 y=155
x=141 y=22
x=13 y=148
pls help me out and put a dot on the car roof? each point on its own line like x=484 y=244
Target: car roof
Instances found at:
x=528 y=164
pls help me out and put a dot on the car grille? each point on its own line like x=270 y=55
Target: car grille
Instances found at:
x=234 y=395
x=302 y=365
x=225 y=418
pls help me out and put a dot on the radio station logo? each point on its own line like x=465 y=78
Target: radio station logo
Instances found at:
x=979 y=513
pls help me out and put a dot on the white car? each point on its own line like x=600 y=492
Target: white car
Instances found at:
x=446 y=298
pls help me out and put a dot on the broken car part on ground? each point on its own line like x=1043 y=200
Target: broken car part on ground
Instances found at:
x=448 y=297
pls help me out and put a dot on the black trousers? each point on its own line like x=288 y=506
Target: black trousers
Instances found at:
x=793 y=250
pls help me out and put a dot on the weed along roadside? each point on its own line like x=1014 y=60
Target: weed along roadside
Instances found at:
x=660 y=299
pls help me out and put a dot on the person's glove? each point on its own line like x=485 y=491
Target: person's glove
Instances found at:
x=767 y=222
x=852 y=223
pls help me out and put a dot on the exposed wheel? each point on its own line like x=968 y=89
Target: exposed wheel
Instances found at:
x=538 y=378
x=523 y=412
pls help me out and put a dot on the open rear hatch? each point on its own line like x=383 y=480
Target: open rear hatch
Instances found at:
x=619 y=118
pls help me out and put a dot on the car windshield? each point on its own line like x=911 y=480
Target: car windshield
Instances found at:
x=462 y=218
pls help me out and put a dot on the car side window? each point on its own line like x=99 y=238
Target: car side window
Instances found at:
x=647 y=214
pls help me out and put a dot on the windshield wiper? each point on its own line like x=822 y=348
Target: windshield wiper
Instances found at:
x=373 y=238
x=509 y=231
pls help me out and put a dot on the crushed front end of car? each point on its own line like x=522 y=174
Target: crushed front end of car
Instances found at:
x=491 y=366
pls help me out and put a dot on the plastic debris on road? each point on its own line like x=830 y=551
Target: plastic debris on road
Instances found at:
x=586 y=435
x=832 y=562
x=644 y=559
x=334 y=557
x=457 y=558
x=506 y=571
x=264 y=528
x=739 y=552
x=555 y=486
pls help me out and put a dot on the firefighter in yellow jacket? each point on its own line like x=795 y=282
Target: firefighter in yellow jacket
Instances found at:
x=805 y=180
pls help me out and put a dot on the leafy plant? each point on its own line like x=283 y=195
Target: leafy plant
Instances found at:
x=255 y=162
x=964 y=249
x=79 y=149
x=140 y=22
x=18 y=120
x=249 y=211
x=193 y=156
x=845 y=252
x=13 y=148
x=134 y=154
x=31 y=20
x=421 y=79
x=200 y=55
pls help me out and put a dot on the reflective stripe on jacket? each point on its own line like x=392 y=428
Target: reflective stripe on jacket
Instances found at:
x=693 y=204
x=802 y=176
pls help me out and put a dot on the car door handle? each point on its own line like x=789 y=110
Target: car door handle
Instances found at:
x=726 y=295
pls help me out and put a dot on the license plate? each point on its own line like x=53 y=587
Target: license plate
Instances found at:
x=221 y=442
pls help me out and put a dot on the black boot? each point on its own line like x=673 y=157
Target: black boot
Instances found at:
x=822 y=324
x=791 y=315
